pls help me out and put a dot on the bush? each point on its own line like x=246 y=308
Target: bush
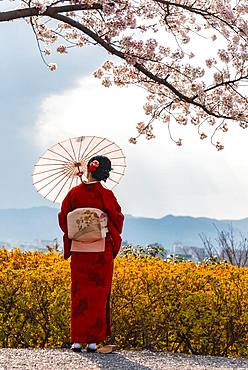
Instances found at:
x=181 y=307
x=35 y=299
x=185 y=307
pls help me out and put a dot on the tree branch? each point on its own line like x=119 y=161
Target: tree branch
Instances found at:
x=31 y=12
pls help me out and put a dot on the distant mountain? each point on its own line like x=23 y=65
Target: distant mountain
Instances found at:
x=20 y=225
x=28 y=224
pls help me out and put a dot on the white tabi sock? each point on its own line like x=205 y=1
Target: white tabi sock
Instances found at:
x=76 y=346
x=92 y=346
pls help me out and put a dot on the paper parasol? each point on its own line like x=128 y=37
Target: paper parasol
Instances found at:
x=59 y=169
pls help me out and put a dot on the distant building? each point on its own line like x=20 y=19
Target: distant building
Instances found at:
x=191 y=253
x=30 y=246
x=35 y=245
x=5 y=245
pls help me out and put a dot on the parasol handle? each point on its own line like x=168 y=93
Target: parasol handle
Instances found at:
x=80 y=173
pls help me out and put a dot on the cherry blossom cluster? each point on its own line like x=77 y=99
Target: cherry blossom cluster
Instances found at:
x=160 y=45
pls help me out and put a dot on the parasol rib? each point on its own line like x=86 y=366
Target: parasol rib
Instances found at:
x=98 y=152
x=73 y=150
x=70 y=186
x=73 y=159
x=87 y=147
x=81 y=141
x=113 y=180
x=49 y=164
x=39 y=173
x=67 y=175
x=55 y=159
x=87 y=155
x=61 y=190
x=113 y=151
x=48 y=177
x=118 y=173
x=68 y=159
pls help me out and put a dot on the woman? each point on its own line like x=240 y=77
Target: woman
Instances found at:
x=91 y=272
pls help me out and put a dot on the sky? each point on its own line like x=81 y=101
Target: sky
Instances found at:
x=40 y=108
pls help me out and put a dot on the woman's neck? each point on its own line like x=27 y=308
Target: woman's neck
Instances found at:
x=90 y=178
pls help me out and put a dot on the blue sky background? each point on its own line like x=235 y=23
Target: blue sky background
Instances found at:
x=25 y=80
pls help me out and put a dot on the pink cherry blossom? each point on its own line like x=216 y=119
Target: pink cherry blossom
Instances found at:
x=154 y=47
x=62 y=49
x=52 y=66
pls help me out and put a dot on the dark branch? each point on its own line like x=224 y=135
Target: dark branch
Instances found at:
x=31 y=12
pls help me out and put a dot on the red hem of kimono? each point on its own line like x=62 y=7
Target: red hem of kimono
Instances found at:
x=91 y=278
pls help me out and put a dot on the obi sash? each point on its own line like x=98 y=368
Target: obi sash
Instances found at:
x=87 y=227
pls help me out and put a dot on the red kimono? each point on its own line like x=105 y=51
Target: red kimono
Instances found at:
x=91 y=272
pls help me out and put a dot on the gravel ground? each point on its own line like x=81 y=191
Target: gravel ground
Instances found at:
x=27 y=359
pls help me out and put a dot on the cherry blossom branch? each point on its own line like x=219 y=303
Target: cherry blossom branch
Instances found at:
x=32 y=12
x=203 y=12
x=177 y=88
x=217 y=144
x=38 y=43
x=141 y=68
x=224 y=83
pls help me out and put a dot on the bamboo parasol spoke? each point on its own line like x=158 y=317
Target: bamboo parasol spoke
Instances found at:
x=99 y=151
x=113 y=180
x=40 y=173
x=118 y=173
x=47 y=177
x=50 y=182
x=64 y=177
x=68 y=178
x=86 y=156
x=83 y=155
x=74 y=154
x=80 y=146
x=113 y=151
x=55 y=159
x=66 y=152
x=72 y=179
x=48 y=164
x=60 y=155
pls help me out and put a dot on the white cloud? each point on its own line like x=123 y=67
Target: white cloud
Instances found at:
x=161 y=178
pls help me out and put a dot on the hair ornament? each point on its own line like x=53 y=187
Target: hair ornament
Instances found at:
x=93 y=166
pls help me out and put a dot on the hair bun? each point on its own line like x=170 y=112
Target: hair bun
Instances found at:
x=100 y=171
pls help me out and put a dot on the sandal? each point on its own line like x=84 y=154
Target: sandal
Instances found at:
x=106 y=349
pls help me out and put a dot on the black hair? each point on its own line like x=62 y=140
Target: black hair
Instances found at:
x=102 y=172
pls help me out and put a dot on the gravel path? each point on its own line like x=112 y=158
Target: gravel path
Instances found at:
x=27 y=359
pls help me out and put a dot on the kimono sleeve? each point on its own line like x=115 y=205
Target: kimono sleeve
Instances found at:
x=115 y=221
x=62 y=217
x=116 y=214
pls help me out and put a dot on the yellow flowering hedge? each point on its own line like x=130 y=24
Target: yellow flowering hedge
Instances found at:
x=182 y=307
